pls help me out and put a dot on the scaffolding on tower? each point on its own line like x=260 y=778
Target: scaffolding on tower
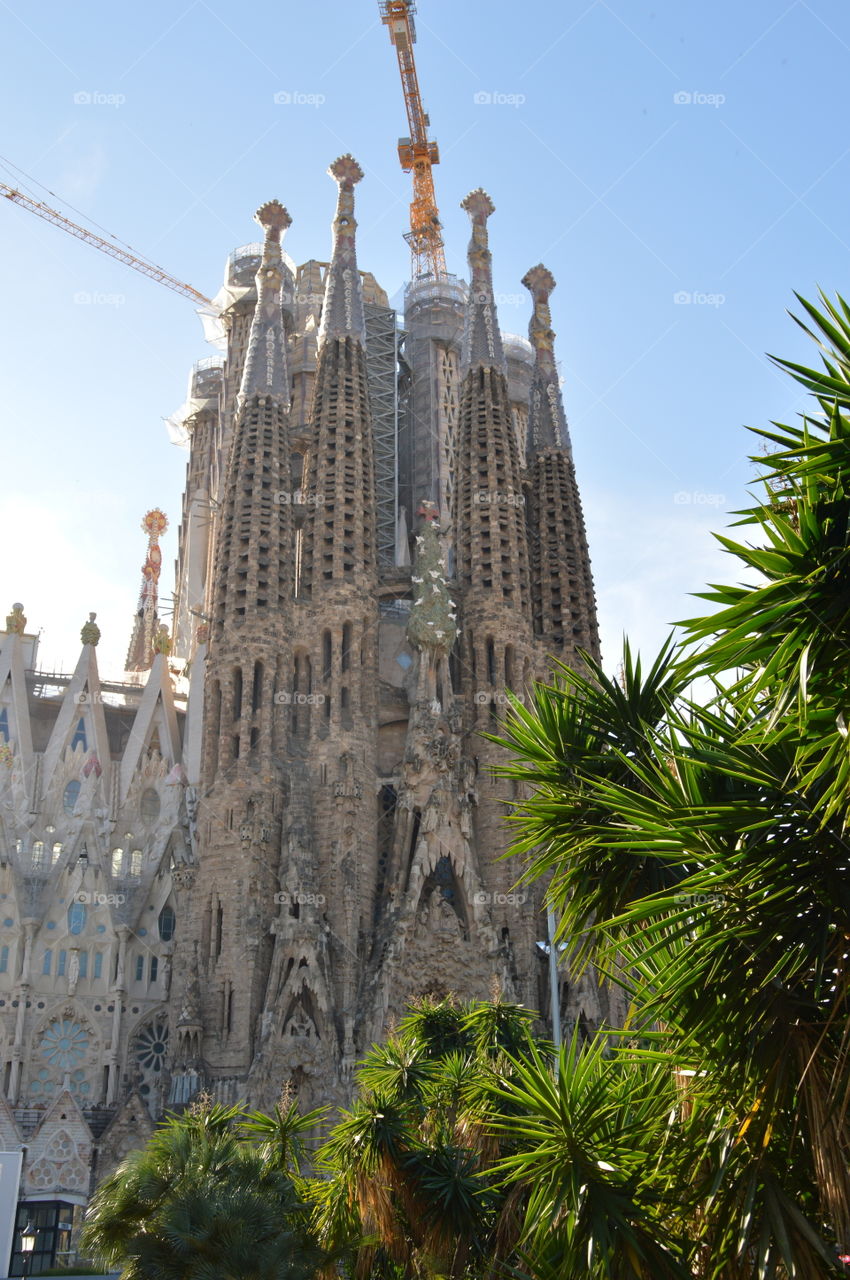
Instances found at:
x=418 y=153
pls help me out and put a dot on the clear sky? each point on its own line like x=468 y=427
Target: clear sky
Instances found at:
x=645 y=152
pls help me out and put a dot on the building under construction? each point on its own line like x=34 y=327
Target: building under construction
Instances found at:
x=232 y=871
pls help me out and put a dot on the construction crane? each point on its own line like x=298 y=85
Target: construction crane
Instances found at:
x=418 y=153
x=105 y=246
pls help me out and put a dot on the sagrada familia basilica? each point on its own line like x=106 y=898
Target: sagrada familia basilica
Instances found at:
x=233 y=869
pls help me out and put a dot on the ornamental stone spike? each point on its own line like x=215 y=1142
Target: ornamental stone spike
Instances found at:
x=265 y=372
x=90 y=633
x=16 y=623
x=482 y=343
x=547 y=421
x=342 y=313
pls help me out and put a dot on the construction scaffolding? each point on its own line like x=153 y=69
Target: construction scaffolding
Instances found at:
x=382 y=343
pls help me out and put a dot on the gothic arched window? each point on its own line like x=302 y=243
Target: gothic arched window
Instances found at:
x=167 y=923
x=70 y=796
x=150 y=805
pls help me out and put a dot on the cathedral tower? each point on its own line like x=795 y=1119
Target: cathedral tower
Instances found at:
x=232 y=900
x=563 y=601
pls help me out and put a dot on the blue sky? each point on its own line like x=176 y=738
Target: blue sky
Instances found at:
x=644 y=152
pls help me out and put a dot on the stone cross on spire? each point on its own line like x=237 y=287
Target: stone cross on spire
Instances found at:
x=482 y=340
x=342 y=313
x=547 y=421
x=265 y=372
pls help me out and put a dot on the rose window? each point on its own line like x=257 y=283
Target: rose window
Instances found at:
x=150 y=1048
x=64 y=1044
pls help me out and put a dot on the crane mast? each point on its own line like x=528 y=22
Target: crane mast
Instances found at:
x=90 y=237
x=418 y=153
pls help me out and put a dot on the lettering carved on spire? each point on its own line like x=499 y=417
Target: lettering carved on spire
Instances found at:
x=482 y=340
x=265 y=370
x=547 y=421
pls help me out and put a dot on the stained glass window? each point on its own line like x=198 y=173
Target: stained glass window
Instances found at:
x=167 y=923
x=64 y=1044
x=70 y=796
x=76 y=918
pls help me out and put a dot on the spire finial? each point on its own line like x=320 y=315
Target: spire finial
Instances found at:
x=346 y=171
x=265 y=372
x=16 y=623
x=139 y=655
x=547 y=422
x=274 y=219
x=90 y=633
x=342 y=314
x=483 y=342
x=540 y=282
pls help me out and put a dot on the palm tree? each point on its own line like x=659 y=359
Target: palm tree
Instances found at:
x=699 y=853
x=200 y=1202
x=408 y=1172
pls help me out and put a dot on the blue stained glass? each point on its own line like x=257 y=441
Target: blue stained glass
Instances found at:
x=70 y=796
x=76 y=918
x=64 y=1044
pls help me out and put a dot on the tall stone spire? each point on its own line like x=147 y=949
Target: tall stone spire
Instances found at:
x=254 y=555
x=563 y=602
x=547 y=422
x=334 y=678
x=342 y=313
x=489 y=509
x=482 y=339
x=339 y=534
x=265 y=371
x=146 y=623
x=248 y=662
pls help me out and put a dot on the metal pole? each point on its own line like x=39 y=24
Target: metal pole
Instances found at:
x=554 y=988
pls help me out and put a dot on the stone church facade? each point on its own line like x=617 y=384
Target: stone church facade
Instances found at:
x=234 y=868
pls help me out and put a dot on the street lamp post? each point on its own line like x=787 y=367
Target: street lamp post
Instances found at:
x=554 y=985
x=27 y=1245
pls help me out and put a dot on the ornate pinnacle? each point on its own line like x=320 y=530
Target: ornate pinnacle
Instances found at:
x=162 y=640
x=15 y=621
x=265 y=371
x=540 y=282
x=547 y=422
x=482 y=341
x=90 y=633
x=342 y=313
x=479 y=206
x=273 y=218
x=346 y=171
